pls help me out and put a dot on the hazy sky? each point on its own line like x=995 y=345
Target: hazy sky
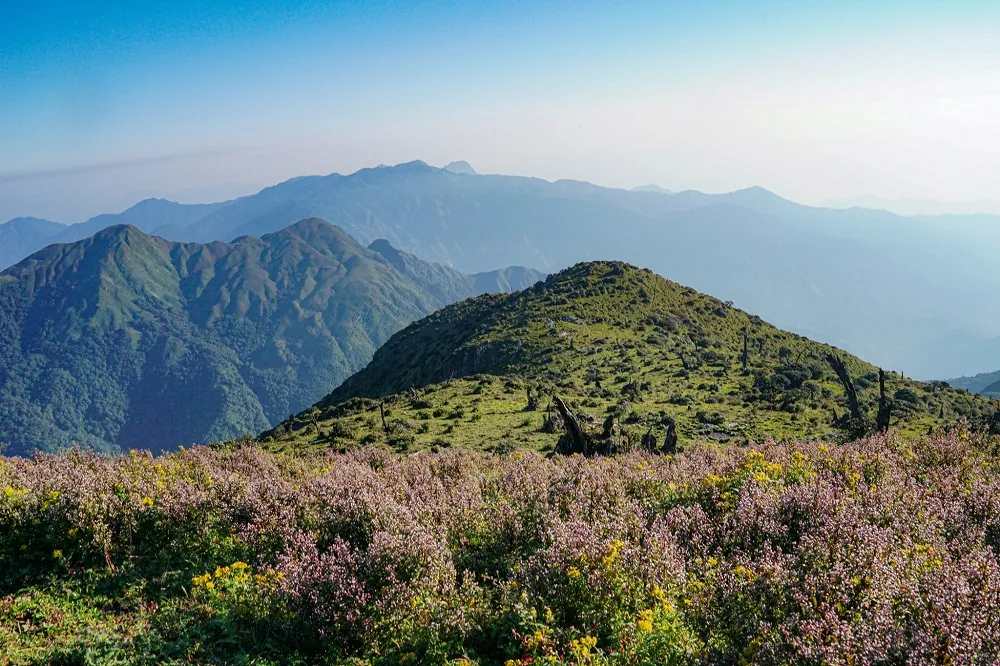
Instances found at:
x=103 y=103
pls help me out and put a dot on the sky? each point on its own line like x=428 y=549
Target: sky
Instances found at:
x=105 y=103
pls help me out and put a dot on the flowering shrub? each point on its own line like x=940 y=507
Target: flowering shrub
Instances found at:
x=882 y=551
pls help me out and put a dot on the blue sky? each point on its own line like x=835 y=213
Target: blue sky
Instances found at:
x=101 y=103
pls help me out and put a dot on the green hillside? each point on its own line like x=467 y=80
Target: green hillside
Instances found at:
x=126 y=340
x=613 y=341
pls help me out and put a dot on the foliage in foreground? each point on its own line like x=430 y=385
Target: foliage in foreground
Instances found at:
x=877 y=552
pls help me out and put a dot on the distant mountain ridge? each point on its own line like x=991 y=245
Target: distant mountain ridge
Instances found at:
x=985 y=383
x=460 y=166
x=652 y=187
x=127 y=340
x=154 y=216
x=23 y=235
x=451 y=285
x=915 y=206
x=905 y=292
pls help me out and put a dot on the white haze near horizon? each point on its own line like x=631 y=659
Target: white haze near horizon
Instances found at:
x=910 y=116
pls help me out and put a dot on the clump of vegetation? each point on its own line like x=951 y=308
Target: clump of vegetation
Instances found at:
x=881 y=551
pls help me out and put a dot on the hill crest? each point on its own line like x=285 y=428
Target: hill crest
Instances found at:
x=612 y=340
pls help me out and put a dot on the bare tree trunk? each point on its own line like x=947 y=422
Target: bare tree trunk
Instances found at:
x=746 y=350
x=670 y=442
x=579 y=441
x=884 y=405
x=532 y=401
x=840 y=368
x=649 y=441
x=315 y=424
x=381 y=412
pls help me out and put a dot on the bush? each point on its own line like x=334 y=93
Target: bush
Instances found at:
x=712 y=418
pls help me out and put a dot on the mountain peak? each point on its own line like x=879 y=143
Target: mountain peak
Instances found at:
x=415 y=165
x=310 y=224
x=316 y=232
x=155 y=203
x=23 y=221
x=120 y=232
x=460 y=166
x=756 y=193
x=652 y=187
x=389 y=253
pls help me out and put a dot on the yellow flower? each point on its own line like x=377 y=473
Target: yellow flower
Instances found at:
x=573 y=573
x=581 y=647
x=57 y=554
x=645 y=621
x=613 y=553
x=209 y=585
x=147 y=501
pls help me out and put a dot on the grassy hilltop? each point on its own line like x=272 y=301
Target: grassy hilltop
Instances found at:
x=612 y=340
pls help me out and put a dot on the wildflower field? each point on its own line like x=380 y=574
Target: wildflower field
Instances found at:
x=882 y=551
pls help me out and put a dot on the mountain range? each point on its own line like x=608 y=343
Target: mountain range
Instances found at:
x=906 y=293
x=919 y=206
x=985 y=383
x=127 y=340
x=634 y=356
x=23 y=235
